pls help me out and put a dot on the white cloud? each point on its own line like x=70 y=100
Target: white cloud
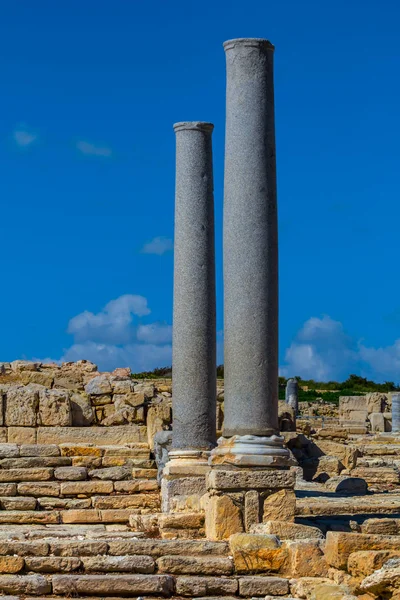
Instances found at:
x=155 y=333
x=113 y=324
x=383 y=362
x=93 y=149
x=23 y=137
x=321 y=351
x=158 y=245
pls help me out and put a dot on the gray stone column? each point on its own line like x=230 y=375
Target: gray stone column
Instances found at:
x=250 y=259
x=292 y=394
x=396 y=413
x=194 y=327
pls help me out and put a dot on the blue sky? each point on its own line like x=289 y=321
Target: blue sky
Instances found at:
x=89 y=93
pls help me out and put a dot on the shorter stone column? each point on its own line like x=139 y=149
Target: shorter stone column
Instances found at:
x=292 y=394
x=194 y=369
x=396 y=413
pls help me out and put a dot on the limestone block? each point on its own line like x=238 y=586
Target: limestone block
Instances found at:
x=251 y=509
x=49 y=503
x=129 y=399
x=146 y=523
x=38 y=450
x=77 y=547
x=11 y=564
x=99 y=385
x=159 y=417
x=181 y=521
x=86 y=487
x=195 y=565
x=157 y=548
x=80 y=450
x=365 y=562
x=205 y=586
x=321 y=469
x=351 y=403
x=253 y=553
x=111 y=473
x=121 y=585
x=377 y=476
x=306 y=558
x=18 y=548
x=250 y=479
x=119 y=564
x=304 y=586
x=147 y=500
x=182 y=486
x=347 y=485
x=82 y=411
x=377 y=421
x=92 y=435
x=21 y=406
x=381 y=526
x=288 y=531
x=21 y=435
x=28 y=517
x=8 y=489
x=332 y=591
x=376 y=402
x=340 y=545
x=25 y=474
x=45 y=379
x=54 y=408
x=80 y=516
x=101 y=400
x=9 y=451
x=70 y=473
x=346 y=453
x=52 y=564
x=48 y=488
x=147 y=389
x=280 y=506
x=90 y=462
x=24 y=365
x=18 y=503
x=359 y=416
x=223 y=518
x=26 y=584
x=260 y=586
x=122 y=386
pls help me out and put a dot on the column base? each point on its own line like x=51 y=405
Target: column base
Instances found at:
x=251 y=451
x=184 y=480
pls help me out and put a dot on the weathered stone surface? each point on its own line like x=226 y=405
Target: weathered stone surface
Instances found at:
x=111 y=473
x=380 y=526
x=77 y=547
x=340 y=545
x=71 y=473
x=80 y=516
x=26 y=474
x=52 y=564
x=18 y=503
x=322 y=468
x=82 y=411
x=157 y=548
x=250 y=479
x=181 y=521
x=346 y=453
x=80 y=450
x=259 y=586
x=254 y=553
x=9 y=451
x=365 y=562
x=94 y=435
x=159 y=417
x=384 y=581
x=347 y=485
x=223 y=518
x=28 y=516
x=286 y=530
x=205 y=586
x=377 y=476
x=45 y=379
x=21 y=405
x=304 y=586
x=29 y=450
x=30 y=462
x=24 y=584
x=98 y=385
x=374 y=504
x=331 y=591
x=126 y=501
x=306 y=558
x=21 y=435
x=64 y=503
x=120 y=564
x=54 y=408
x=377 y=421
x=11 y=564
x=22 y=548
x=48 y=488
x=86 y=487
x=195 y=565
x=280 y=506
x=8 y=489
x=251 y=509
x=120 y=584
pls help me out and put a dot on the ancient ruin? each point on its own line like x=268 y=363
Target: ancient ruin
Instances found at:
x=112 y=487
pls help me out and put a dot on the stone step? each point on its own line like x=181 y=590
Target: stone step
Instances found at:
x=330 y=505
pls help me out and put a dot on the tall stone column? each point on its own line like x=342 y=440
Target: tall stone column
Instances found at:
x=194 y=324
x=292 y=394
x=396 y=413
x=250 y=260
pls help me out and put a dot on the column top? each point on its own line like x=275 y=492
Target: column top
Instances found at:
x=250 y=42
x=195 y=125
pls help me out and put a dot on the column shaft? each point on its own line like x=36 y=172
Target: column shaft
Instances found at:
x=396 y=413
x=194 y=327
x=250 y=242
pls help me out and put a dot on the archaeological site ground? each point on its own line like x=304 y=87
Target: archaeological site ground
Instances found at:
x=115 y=487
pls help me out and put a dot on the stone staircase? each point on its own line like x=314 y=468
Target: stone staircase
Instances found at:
x=76 y=483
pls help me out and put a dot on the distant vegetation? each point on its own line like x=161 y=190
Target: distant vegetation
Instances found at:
x=328 y=391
